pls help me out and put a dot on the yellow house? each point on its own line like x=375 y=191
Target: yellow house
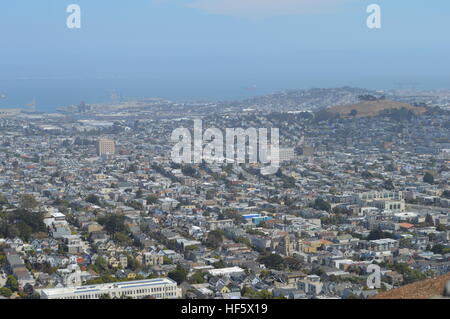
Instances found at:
x=225 y=290
x=309 y=249
x=131 y=275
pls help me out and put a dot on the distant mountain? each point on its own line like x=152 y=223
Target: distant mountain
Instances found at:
x=373 y=108
x=304 y=100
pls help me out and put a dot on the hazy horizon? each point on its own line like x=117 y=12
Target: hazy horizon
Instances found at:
x=215 y=49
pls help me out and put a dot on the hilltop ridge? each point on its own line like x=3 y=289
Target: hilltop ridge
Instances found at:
x=373 y=108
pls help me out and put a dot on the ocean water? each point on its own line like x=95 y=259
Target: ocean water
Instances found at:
x=53 y=93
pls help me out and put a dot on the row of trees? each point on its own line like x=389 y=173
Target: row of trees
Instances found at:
x=21 y=223
x=410 y=275
x=10 y=287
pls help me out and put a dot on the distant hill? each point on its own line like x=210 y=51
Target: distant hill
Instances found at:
x=424 y=289
x=372 y=108
x=302 y=100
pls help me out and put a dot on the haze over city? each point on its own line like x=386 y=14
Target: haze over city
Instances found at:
x=215 y=49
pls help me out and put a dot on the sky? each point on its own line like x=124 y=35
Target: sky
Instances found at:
x=215 y=49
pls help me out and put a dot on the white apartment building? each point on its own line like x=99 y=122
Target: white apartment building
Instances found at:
x=385 y=200
x=380 y=244
x=159 y=288
x=226 y=271
x=384 y=195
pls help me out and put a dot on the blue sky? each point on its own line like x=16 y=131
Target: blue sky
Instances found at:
x=216 y=48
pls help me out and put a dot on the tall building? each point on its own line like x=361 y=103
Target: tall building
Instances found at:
x=105 y=147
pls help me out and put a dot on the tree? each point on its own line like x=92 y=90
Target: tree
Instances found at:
x=405 y=243
x=428 y=178
x=21 y=223
x=151 y=199
x=133 y=168
x=409 y=274
x=325 y=115
x=179 y=275
x=378 y=234
x=214 y=239
x=136 y=205
x=273 y=261
x=366 y=175
x=114 y=224
x=210 y=194
x=389 y=185
x=251 y=293
x=5 y=292
x=28 y=289
x=438 y=249
x=198 y=278
x=133 y=263
x=12 y=283
x=93 y=199
x=321 y=204
x=429 y=220
x=101 y=264
x=292 y=263
x=189 y=171
x=318 y=271
x=264 y=294
x=398 y=114
x=247 y=292
x=139 y=193
x=3 y=200
x=27 y=201
x=123 y=239
x=219 y=264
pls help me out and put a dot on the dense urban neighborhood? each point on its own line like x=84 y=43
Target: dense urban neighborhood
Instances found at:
x=92 y=204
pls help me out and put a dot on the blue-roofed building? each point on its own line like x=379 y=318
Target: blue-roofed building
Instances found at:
x=256 y=218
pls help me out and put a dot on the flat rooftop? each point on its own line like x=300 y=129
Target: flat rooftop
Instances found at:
x=108 y=286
